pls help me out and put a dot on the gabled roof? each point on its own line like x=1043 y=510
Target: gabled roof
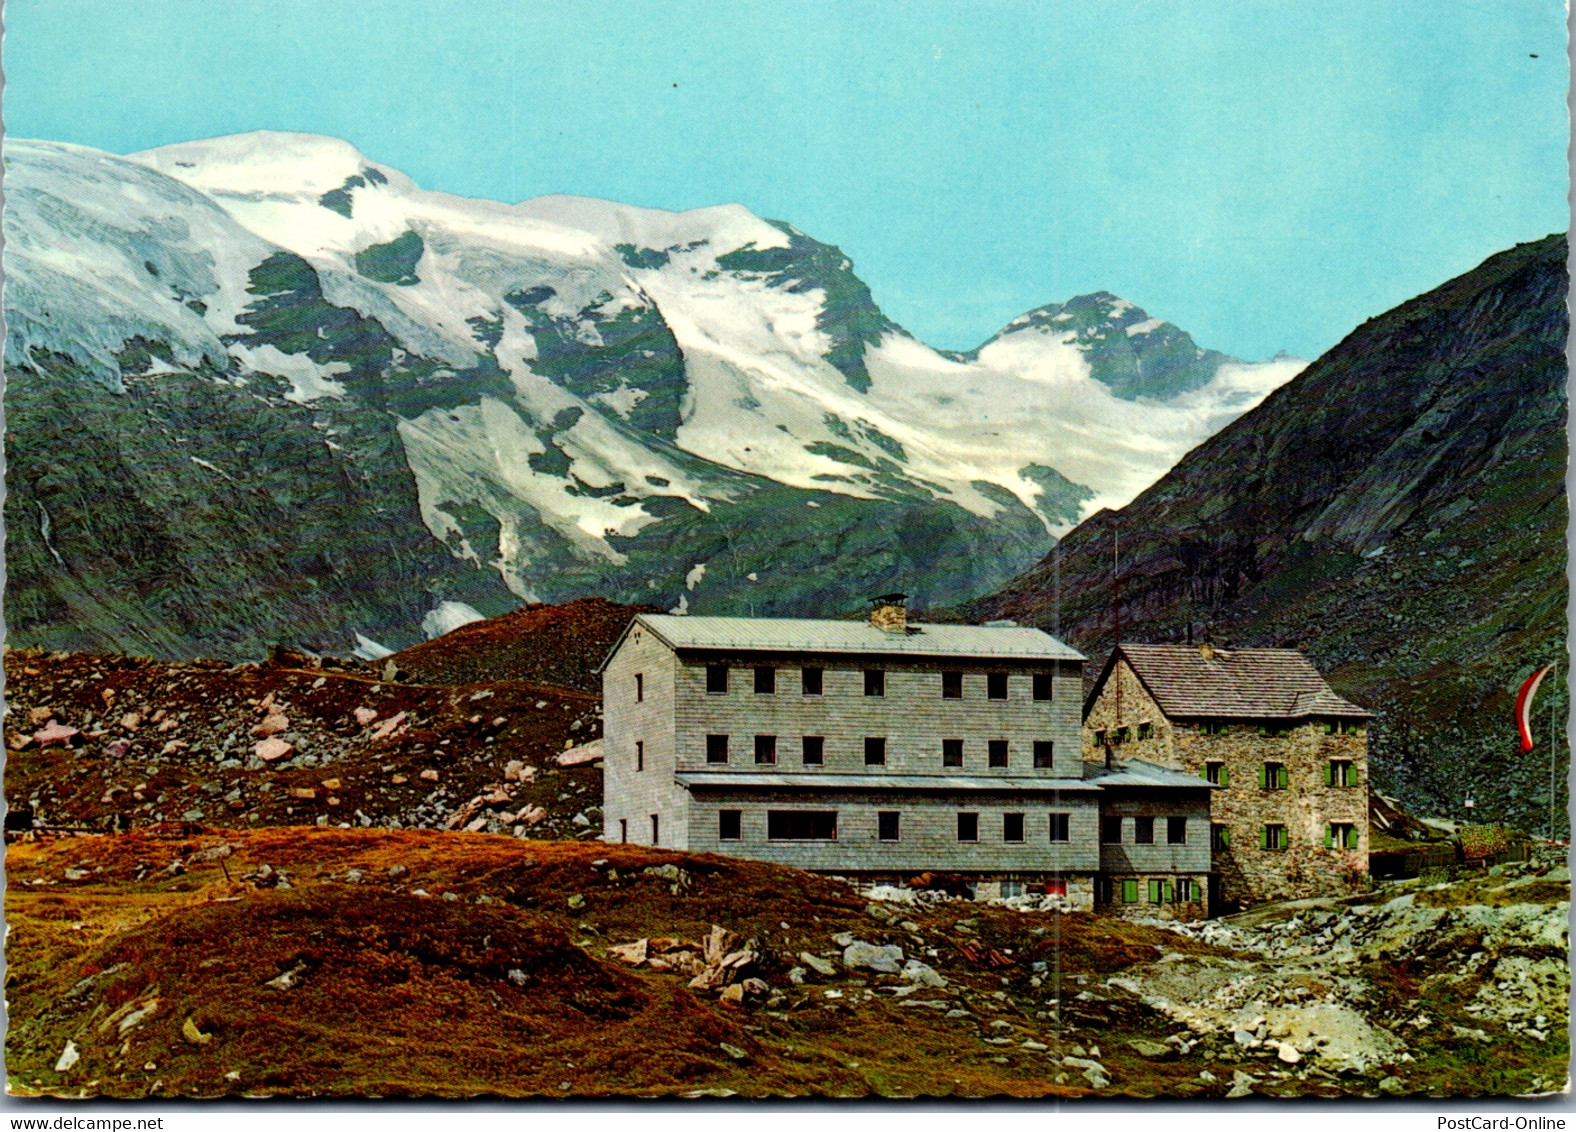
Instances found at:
x=791 y=635
x=1230 y=683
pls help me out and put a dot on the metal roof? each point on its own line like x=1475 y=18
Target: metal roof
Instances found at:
x=811 y=780
x=760 y=634
x=1232 y=683
x=1136 y=773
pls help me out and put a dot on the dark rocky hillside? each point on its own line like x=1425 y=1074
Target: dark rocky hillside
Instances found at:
x=549 y=644
x=1399 y=512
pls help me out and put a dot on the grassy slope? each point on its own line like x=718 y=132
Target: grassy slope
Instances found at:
x=386 y=969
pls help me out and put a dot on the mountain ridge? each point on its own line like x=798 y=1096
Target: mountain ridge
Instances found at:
x=533 y=402
x=1398 y=511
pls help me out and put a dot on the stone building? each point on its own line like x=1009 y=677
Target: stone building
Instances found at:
x=880 y=750
x=1287 y=756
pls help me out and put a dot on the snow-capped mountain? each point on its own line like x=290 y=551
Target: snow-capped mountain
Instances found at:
x=702 y=409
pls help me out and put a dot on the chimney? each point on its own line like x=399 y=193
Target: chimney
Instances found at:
x=889 y=613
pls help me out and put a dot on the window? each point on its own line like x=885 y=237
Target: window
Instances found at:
x=1012 y=827
x=1146 y=731
x=1056 y=888
x=640 y=687
x=1143 y=831
x=766 y=748
x=1122 y=735
x=1130 y=891
x=1273 y=837
x=813 y=749
x=1212 y=727
x=1176 y=831
x=801 y=825
x=655 y=828
x=1102 y=890
x=1161 y=892
x=952 y=685
x=1216 y=774
x=887 y=825
x=623 y=830
x=1340 y=772
x=968 y=827
x=1110 y=831
x=810 y=681
x=1060 y=827
x=1340 y=835
x=1044 y=753
x=952 y=752
x=730 y=825
x=875 y=752
x=1099 y=738
x=1042 y=685
x=640 y=755
x=875 y=682
x=1275 y=728
x=1220 y=836
x=765 y=681
x=997 y=752
x=1189 y=892
x=716 y=748
x=716 y=679
x=996 y=685
x=1272 y=776
x=1341 y=727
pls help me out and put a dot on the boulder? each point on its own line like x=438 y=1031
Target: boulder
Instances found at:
x=885 y=958
x=272 y=724
x=823 y=967
x=1145 y=1048
x=272 y=749
x=54 y=733
x=922 y=974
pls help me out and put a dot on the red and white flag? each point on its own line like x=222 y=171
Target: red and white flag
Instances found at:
x=1524 y=704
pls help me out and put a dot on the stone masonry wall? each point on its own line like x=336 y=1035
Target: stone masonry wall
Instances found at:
x=1247 y=873
x=1143 y=909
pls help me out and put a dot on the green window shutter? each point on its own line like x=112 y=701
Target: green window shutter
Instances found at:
x=1264 y=837
x=1225 y=838
x=1225 y=776
x=1280 y=776
x=1130 y=891
x=1329 y=774
x=1329 y=837
x=1169 y=893
x=1351 y=838
x=1263 y=775
x=1203 y=771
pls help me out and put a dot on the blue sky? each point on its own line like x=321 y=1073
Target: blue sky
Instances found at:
x=1266 y=175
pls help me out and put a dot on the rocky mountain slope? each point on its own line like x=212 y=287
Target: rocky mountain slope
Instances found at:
x=1399 y=512
x=549 y=644
x=105 y=742
x=264 y=389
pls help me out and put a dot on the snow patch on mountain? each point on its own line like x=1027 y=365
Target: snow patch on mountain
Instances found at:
x=448 y=616
x=577 y=371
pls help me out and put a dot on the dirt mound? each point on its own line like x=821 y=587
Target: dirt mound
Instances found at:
x=116 y=742
x=549 y=644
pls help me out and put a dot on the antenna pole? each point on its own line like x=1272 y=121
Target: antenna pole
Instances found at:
x=1553 y=746
x=1116 y=613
